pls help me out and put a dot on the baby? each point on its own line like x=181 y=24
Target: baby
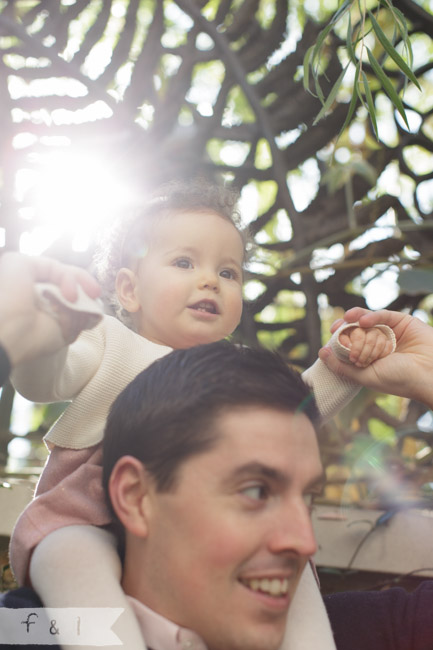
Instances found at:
x=177 y=272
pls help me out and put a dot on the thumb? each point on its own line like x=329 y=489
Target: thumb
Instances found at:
x=338 y=367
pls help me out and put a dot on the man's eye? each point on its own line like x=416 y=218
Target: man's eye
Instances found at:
x=183 y=263
x=228 y=274
x=256 y=492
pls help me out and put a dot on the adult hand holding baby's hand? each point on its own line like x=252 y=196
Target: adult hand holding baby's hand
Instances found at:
x=406 y=372
x=25 y=330
x=366 y=345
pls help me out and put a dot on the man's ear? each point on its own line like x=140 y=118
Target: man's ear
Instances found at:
x=128 y=488
x=126 y=283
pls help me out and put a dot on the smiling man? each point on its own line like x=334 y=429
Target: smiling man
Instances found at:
x=210 y=462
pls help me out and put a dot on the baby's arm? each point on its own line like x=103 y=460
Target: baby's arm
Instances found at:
x=25 y=330
x=60 y=374
x=78 y=566
x=332 y=391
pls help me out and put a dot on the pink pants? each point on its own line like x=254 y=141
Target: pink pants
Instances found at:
x=69 y=492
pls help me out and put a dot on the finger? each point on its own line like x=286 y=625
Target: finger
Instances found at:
x=387 y=349
x=336 y=324
x=354 y=314
x=357 y=337
x=338 y=367
x=45 y=269
x=383 y=317
x=71 y=277
x=66 y=277
x=367 y=319
x=373 y=348
x=344 y=340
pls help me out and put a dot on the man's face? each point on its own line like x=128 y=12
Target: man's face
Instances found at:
x=226 y=548
x=189 y=284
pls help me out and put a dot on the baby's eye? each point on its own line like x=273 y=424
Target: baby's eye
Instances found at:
x=228 y=274
x=183 y=263
x=256 y=492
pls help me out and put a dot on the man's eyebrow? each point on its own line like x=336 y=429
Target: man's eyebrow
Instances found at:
x=260 y=469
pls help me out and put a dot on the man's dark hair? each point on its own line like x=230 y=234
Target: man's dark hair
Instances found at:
x=167 y=413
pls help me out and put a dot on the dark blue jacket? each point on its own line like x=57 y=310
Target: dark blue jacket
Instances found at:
x=383 y=620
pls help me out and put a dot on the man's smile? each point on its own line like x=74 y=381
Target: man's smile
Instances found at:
x=273 y=586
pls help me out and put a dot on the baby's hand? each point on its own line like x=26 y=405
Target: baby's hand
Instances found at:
x=366 y=345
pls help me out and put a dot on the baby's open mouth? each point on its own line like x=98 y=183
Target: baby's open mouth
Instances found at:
x=206 y=306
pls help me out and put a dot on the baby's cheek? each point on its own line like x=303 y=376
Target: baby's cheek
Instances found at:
x=236 y=307
x=168 y=301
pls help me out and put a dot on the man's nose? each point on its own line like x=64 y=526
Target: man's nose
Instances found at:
x=293 y=530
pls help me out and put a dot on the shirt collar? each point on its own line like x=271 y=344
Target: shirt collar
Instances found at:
x=161 y=634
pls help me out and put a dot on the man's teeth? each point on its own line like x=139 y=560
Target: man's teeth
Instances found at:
x=274 y=586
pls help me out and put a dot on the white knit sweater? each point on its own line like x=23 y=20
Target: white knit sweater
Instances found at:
x=93 y=370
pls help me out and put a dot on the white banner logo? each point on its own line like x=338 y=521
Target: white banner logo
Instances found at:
x=59 y=626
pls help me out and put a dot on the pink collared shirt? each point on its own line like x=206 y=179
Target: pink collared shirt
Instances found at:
x=161 y=634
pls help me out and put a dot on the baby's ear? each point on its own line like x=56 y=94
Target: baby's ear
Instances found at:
x=126 y=284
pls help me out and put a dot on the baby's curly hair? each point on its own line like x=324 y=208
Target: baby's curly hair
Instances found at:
x=127 y=239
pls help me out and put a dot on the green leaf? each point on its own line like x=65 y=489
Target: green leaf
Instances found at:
x=321 y=39
x=391 y=51
x=399 y=20
x=331 y=97
x=353 y=102
x=307 y=58
x=349 y=45
x=319 y=92
x=387 y=85
x=341 y=11
x=409 y=51
x=370 y=104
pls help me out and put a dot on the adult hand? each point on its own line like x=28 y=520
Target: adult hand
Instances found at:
x=26 y=331
x=407 y=371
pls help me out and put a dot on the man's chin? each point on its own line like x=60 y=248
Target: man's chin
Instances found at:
x=265 y=638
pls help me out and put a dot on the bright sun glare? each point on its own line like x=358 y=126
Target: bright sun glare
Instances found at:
x=71 y=195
